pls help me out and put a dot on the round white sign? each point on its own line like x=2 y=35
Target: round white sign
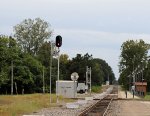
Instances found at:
x=74 y=76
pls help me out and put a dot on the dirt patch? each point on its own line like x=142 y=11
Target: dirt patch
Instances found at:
x=105 y=87
x=129 y=108
x=2 y=102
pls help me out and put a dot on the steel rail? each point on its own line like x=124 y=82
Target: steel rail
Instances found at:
x=89 y=109
x=104 y=114
x=107 y=100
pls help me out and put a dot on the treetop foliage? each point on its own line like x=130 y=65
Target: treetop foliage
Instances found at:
x=29 y=52
x=30 y=34
x=134 y=57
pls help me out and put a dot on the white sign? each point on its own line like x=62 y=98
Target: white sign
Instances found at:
x=74 y=76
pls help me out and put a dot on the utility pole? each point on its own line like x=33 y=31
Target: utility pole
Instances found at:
x=51 y=59
x=12 y=74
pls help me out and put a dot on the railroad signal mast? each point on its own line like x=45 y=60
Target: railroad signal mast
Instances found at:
x=58 y=44
x=55 y=52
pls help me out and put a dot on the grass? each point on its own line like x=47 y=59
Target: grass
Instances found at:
x=17 y=105
x=147 y=96
x=96 y=89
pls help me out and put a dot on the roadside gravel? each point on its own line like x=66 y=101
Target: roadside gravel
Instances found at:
x=63 y=111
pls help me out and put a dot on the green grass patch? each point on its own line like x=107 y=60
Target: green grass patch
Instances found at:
x=96 y=89
x=17 y=105
x=147 y=96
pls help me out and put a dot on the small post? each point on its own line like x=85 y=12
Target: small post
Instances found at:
x=126 y=93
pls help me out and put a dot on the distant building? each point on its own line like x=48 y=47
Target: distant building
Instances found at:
x=140 y=88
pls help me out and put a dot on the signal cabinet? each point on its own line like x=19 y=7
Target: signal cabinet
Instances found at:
x=67 y=89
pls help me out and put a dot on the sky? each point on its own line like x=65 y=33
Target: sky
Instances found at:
x=97 y=27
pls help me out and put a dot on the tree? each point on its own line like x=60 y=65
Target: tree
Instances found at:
x=33 y=80
x=9 y=52
x=97 y=73
x=133 y=55
x=28 y=74
x=79 y=63
x=27 y=68
x=100 y=69
x=44 y=54
x=105 y=71
x=64 y=58
x=4 y=49
x=31 y=34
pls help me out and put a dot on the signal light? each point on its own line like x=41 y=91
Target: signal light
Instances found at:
x=58 y=41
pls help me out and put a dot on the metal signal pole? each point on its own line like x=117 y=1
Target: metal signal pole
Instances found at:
x=58 y=78
x=58 y=44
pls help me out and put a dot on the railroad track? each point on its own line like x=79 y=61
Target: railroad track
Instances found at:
x=101 y=107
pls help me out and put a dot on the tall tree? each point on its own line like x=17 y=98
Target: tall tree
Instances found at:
x=31 y=34
x=133 y=53
x=133 y=56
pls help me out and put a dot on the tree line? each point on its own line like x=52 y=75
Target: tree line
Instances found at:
x=29 y=52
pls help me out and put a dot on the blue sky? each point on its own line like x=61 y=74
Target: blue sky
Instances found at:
x=98 y=27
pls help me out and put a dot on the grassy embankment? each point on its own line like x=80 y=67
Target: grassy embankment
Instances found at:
x=17 y=105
